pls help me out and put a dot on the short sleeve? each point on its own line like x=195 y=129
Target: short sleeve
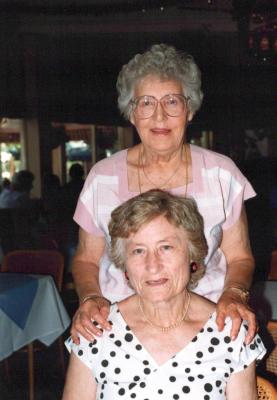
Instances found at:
x=246 y=354
x=87 y=352
x=99 y=196
x=236 y=190
x=87 y=206
x=85 y=220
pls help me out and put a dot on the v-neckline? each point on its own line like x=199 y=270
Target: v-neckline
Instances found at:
x=149 y=355
x=178 y=190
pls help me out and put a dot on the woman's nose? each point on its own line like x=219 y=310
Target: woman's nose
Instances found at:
x=159 y=113
x=152 y=262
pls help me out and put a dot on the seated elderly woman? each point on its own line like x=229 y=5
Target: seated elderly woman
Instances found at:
x=164 y=342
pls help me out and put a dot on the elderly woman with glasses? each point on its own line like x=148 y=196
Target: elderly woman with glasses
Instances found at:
x=159 y=92
x=164 y=342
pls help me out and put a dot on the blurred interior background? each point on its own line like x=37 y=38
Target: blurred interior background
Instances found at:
x=58 y=103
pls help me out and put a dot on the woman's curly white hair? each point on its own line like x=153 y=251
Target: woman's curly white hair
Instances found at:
x=165 y=62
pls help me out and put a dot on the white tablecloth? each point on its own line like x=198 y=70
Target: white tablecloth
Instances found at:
x=46 y=321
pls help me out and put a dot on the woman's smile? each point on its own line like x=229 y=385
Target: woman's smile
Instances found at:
x=157 y=282
x=160 y=131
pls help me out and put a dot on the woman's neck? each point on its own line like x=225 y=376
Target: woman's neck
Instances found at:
x=165 y=315
x=150 y=156
x=167 y=170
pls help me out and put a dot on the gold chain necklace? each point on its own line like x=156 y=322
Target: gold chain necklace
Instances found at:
x=140 y=164
x=165 y=329
x=167 y=180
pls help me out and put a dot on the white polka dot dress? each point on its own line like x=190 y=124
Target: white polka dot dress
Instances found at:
x=123 y=369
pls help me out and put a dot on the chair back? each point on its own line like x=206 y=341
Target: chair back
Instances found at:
x=7 y=230
x=42 y=262
x=271 y=360
x=272 y=275
x=266 y=390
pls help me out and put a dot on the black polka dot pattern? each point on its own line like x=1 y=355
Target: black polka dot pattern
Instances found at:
x=94 y=350
x=123 y=369
x=128 y=337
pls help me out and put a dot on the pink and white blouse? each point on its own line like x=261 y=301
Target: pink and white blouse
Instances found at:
x=218 y=187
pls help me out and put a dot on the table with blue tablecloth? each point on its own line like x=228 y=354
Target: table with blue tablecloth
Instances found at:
x=30 y=309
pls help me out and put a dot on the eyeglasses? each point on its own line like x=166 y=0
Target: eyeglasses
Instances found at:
x=172 y=104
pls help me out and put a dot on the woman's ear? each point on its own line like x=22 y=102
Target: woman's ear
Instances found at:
x=126 y=275
x=190 y=116
x=131 y=119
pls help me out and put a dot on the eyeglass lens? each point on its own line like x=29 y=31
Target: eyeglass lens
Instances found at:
x=172 y=104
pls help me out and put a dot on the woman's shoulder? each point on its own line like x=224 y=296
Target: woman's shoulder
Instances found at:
x=109 y=165
x=201 y=309
x=89 y=351
x=225 y=333
x=112 y=318
x=204 y=311
x=212 y=158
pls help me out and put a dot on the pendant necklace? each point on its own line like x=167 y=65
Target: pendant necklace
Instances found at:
x=165 y=329
x=140 y=165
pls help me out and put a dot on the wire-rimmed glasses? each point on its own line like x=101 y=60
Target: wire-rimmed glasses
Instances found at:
x=172 y=104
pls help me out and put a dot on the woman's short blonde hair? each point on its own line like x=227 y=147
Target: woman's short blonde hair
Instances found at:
x=181 y=212
x=166 y=63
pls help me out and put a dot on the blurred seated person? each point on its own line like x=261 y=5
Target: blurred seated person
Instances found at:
x=52 y=199
x=73 y=188
x=19 y=213
x=164 y=342
x=51 y=213
x=17 y=195
x=6 y=183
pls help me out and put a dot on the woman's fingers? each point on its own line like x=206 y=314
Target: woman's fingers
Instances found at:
x=248 y=315
x=90 y=320
x=100 y=318
x=238 y=312
x=83 y=325
x=229 y=311
x=236 y=322
x=220 y=319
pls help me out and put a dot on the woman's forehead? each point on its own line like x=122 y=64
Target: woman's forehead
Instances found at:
x=151 y=83
x=158 y=227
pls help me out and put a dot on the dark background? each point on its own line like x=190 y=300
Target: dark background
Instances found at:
x=60 y=60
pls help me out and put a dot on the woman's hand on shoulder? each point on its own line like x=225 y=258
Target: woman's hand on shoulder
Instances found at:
x=90 y=319
x=85 y=270
x=232 y=305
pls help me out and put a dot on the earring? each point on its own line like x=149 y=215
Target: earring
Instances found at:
x=193 y=267
x=126 y=276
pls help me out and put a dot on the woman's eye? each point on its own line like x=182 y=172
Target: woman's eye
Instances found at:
x=137 y=251
x=166 y=247
x=147 y=103
x=172 y=102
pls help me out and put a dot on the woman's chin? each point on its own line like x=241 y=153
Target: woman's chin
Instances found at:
x=156 y=294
